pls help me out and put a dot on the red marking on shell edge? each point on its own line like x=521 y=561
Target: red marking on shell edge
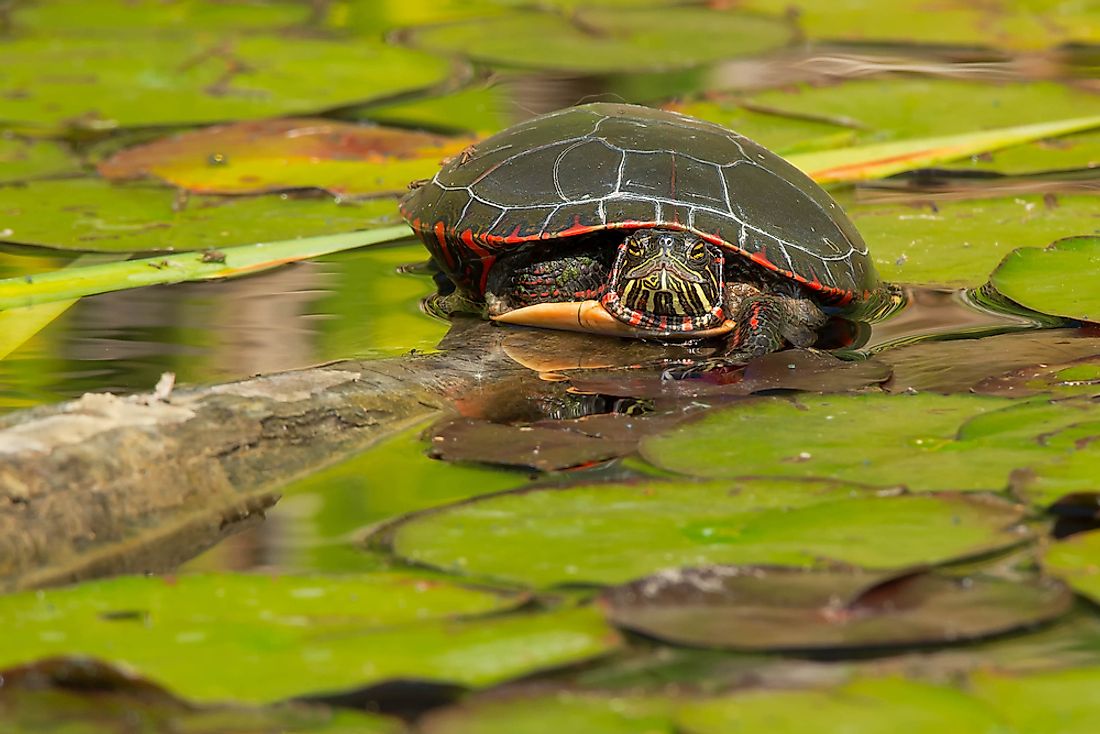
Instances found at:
x=441 y=237
x=486 y=257
x=836 y=296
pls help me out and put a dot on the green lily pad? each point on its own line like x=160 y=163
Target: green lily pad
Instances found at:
x=113 y=18
x=1063 y=153
x=619 y=532
x=195 y=80
x=90 y=214
x=1031 y=25
x=1059 y=280
x=780 y=133
x=961 y=242
x=863 y=706
x=1075 y=472
x=916 y=441
x=330 y=505
x=21 y=160
x=561 y=712
x=276 y=155
x=917 y=107
x=601 y=39
x=274 y=638
x=774 y=609
x=82 y=696
x=375 y=19
x=479 y=109
x=1076 y=561
x=1062 y=701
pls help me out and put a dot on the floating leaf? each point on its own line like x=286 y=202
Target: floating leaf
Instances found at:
x=619 y=532
x=275 y=155
x=772 y=609
x=1002 y=23
x=89 y=214
x=890 y=108
x=914 y=444
x=195 y=80
x=781 y=133
x=336 y=502
x=22 y=160
x=544 y=448
x=68 y=283
x=81 y=695
x=1062 y=701
x=1059 y=280
x=113 y=18
x=864 y=706
x=482 y=109
x=260 y=639
x=961 y=242
x=1076 y=561
x=561 y=711
x=601 y=39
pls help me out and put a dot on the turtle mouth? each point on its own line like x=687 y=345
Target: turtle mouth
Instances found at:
x=593 y=317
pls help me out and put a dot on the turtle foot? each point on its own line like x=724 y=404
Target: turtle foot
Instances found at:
x=710 y=367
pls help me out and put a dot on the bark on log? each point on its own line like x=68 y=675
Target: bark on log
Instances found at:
x=109 y=484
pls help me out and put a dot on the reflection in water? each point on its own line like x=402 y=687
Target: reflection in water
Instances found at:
x=355 y=304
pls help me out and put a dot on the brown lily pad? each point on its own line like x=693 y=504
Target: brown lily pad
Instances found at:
x=274 y=155
x=1077 y=377
x=800 y=370
x=762 y=608
x=963 y=365
x=536 y=447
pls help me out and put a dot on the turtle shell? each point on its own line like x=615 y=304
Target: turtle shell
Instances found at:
x=615 y=166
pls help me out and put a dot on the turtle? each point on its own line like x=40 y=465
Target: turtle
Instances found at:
x=635 y=221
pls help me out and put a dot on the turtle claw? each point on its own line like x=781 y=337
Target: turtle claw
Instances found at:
x=697 y=369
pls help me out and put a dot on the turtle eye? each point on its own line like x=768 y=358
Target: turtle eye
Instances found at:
x=698 y=251
x=634 y=248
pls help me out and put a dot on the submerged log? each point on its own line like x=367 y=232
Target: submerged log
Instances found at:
x=139 y=483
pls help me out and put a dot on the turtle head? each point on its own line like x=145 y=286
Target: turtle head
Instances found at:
x=667 y=281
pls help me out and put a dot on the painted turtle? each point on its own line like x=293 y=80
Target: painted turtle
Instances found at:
x=627 y=220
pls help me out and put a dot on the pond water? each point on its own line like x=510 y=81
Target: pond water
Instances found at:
x=920 y=506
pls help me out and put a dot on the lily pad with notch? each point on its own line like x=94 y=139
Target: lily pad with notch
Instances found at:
x=94 y=215
x=261 y=639
x=604 y=39
x=835 y=611
x=1059 y=279
x=193 y=78
x=917 y=440
x=621 y=531
x=78 y=694
x=1076 y=560
x=540 y=447
x=276 y=155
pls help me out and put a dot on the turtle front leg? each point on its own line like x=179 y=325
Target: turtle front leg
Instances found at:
x=524 y=279
x=766 y=322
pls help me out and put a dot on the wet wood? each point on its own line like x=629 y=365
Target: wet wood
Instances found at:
x=109 y=484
